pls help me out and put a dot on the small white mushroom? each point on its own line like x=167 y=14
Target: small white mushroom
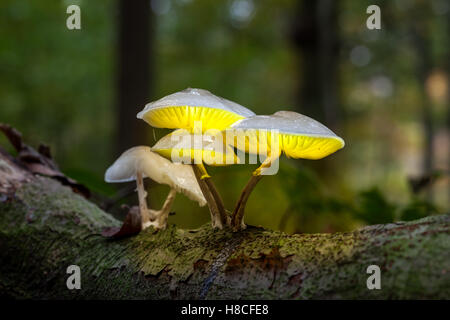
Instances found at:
x=140 y=162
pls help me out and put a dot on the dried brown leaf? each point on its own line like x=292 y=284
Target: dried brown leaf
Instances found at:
x=131 y=226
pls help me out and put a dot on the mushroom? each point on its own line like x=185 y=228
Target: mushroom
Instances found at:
x=197 y=111
x=297 y=135
x=209 y=148
x=140 y=162
x=191 y=108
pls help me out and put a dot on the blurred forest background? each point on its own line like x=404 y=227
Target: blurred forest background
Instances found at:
x=386 y=92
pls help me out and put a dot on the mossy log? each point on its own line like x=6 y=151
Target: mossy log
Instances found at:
x=45 y=227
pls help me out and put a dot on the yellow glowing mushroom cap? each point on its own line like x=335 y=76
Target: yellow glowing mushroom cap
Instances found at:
x=193 y=107
x=183 y=147
x=298 y=136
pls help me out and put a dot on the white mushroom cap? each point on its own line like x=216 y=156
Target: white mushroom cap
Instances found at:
x=286 y=122
x=299 y=136
x=196 y=98
x=178 y=176
x=210 y=148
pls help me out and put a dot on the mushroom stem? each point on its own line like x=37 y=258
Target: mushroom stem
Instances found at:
x=168 y=203
x=160 y=222
x=210 y=200
x=224 y=217
x=237 y=219
x=204 y=173
x=142 y=194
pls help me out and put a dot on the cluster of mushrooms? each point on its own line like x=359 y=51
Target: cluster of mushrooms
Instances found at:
x=208 y=131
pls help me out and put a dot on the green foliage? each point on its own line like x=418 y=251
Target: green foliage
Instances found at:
x=56 y=85
x=374 y=208
x=310 y=202
x=317 y=210
x=417 y=209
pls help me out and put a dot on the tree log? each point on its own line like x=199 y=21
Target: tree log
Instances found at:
x=45 y=227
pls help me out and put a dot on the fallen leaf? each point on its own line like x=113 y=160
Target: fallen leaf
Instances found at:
x=132 y=225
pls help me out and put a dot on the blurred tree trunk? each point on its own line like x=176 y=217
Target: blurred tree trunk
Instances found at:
x=45 y=228
x=315 y=36
x=422 y=47
x=316 y=39
x=134 y=57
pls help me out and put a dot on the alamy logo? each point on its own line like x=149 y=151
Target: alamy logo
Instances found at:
x=73 y=21
x=374 y=20
x=214 y=147
x=74 y=280
x=374 y=281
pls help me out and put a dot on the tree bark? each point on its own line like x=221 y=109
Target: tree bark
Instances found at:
x=46 y=227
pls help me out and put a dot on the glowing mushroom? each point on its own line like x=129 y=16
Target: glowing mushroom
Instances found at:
x=296 y=135
x=140 y=162
x=196 y=110
x=209 y=148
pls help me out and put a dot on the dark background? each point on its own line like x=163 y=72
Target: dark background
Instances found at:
x=386 y=92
